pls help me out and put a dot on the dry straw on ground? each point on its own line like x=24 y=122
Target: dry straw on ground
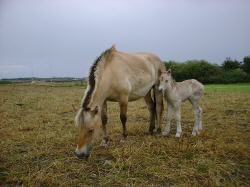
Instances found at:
x=38 y=139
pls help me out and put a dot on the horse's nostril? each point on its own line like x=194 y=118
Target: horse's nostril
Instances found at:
x=84 y=152
x=81 y=155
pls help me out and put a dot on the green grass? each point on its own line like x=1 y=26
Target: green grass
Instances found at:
x=238 y=87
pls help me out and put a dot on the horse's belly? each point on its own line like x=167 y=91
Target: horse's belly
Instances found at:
x=139 y=93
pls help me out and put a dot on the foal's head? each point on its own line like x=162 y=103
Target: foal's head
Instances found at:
x=88 y=121
x=166 y=80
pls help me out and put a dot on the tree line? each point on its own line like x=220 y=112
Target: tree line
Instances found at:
x=231 y=71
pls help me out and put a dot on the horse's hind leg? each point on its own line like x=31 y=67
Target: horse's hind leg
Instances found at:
x=104 y=118
x=200 y=118
x=123 y=115
x=159 y=108
x=198 y=115
x=151 y=108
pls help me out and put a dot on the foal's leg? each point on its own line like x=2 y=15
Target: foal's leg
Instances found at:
x=123 y=115
x=151 y=108
x=197 y=113
x=178 y=121
x=104 y=118
x=159 y=108
x=169 y=118
x=200 y=119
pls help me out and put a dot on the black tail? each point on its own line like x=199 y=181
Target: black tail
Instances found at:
x=154 y=101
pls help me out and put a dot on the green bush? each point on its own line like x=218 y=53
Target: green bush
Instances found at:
x=5 y=82
x=206 y=72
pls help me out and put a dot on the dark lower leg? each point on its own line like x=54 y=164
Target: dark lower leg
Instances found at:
x=158 y=108
x=124 y=128
x=151 y=108
x=123 y=118
x=104 y=118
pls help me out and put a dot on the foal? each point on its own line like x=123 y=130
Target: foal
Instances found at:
x=177 y=92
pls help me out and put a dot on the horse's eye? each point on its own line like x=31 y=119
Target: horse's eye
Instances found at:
x=91 y=131
x=166 y=80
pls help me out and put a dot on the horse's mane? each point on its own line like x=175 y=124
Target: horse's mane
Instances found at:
x=93 y=75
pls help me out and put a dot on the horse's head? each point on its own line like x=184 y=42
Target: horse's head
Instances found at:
x=165 y=80
x=88 y=121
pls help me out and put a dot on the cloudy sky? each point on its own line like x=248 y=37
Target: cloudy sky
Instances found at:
x=46 y=38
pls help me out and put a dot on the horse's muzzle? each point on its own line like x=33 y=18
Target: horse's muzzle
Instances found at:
x=85 y=153
x=81 y=156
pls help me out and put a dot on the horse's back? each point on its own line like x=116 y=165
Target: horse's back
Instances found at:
x=136 y=60
x=134 y=73
x=197 y=85
x=187 y=88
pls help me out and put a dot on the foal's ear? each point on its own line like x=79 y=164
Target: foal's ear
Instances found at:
x=169 y=71
x=94 y=111
x=161 y=71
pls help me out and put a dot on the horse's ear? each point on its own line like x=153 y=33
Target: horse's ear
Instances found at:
x=169 y=71
x=95 y=111
x=113 y=47
x=161 y=71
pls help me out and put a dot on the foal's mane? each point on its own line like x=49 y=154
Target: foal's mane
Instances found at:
x=173 y=82
x=94 y=73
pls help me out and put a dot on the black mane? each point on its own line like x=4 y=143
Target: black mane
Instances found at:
x=92 y=80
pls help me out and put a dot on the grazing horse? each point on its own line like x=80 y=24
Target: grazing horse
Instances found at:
x=177 y=92
x=119 y=77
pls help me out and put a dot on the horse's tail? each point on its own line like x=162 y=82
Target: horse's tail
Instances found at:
x=154 y=102
x=79 y=119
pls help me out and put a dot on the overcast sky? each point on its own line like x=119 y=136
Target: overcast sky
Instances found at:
x=46 y=38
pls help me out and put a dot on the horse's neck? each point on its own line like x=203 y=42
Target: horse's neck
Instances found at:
x=171 y=92
x=99 y=95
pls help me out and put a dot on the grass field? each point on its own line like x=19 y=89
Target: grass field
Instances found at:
x=38 y=139
x=240 y=87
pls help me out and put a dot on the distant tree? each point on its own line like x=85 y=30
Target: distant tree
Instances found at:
x=234 y=76
x=194 y=69
x=230 y=64
x=230 y=72
x=246 y=64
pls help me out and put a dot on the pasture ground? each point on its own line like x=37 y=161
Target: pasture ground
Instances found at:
x=38 y=139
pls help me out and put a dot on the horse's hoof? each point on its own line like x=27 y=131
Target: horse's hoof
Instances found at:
x=157 y=131
x=122 y=141
x=150 y=133
x=164 y=133
x=178 y=135
x=194 y=133
x=104 y=144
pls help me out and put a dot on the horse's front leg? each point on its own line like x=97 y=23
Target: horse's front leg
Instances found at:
x=178 y=121
x=104 y=118
x=169 y=118
x=123 y=115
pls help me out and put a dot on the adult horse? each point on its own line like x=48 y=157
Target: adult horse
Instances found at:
x=120 y=77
